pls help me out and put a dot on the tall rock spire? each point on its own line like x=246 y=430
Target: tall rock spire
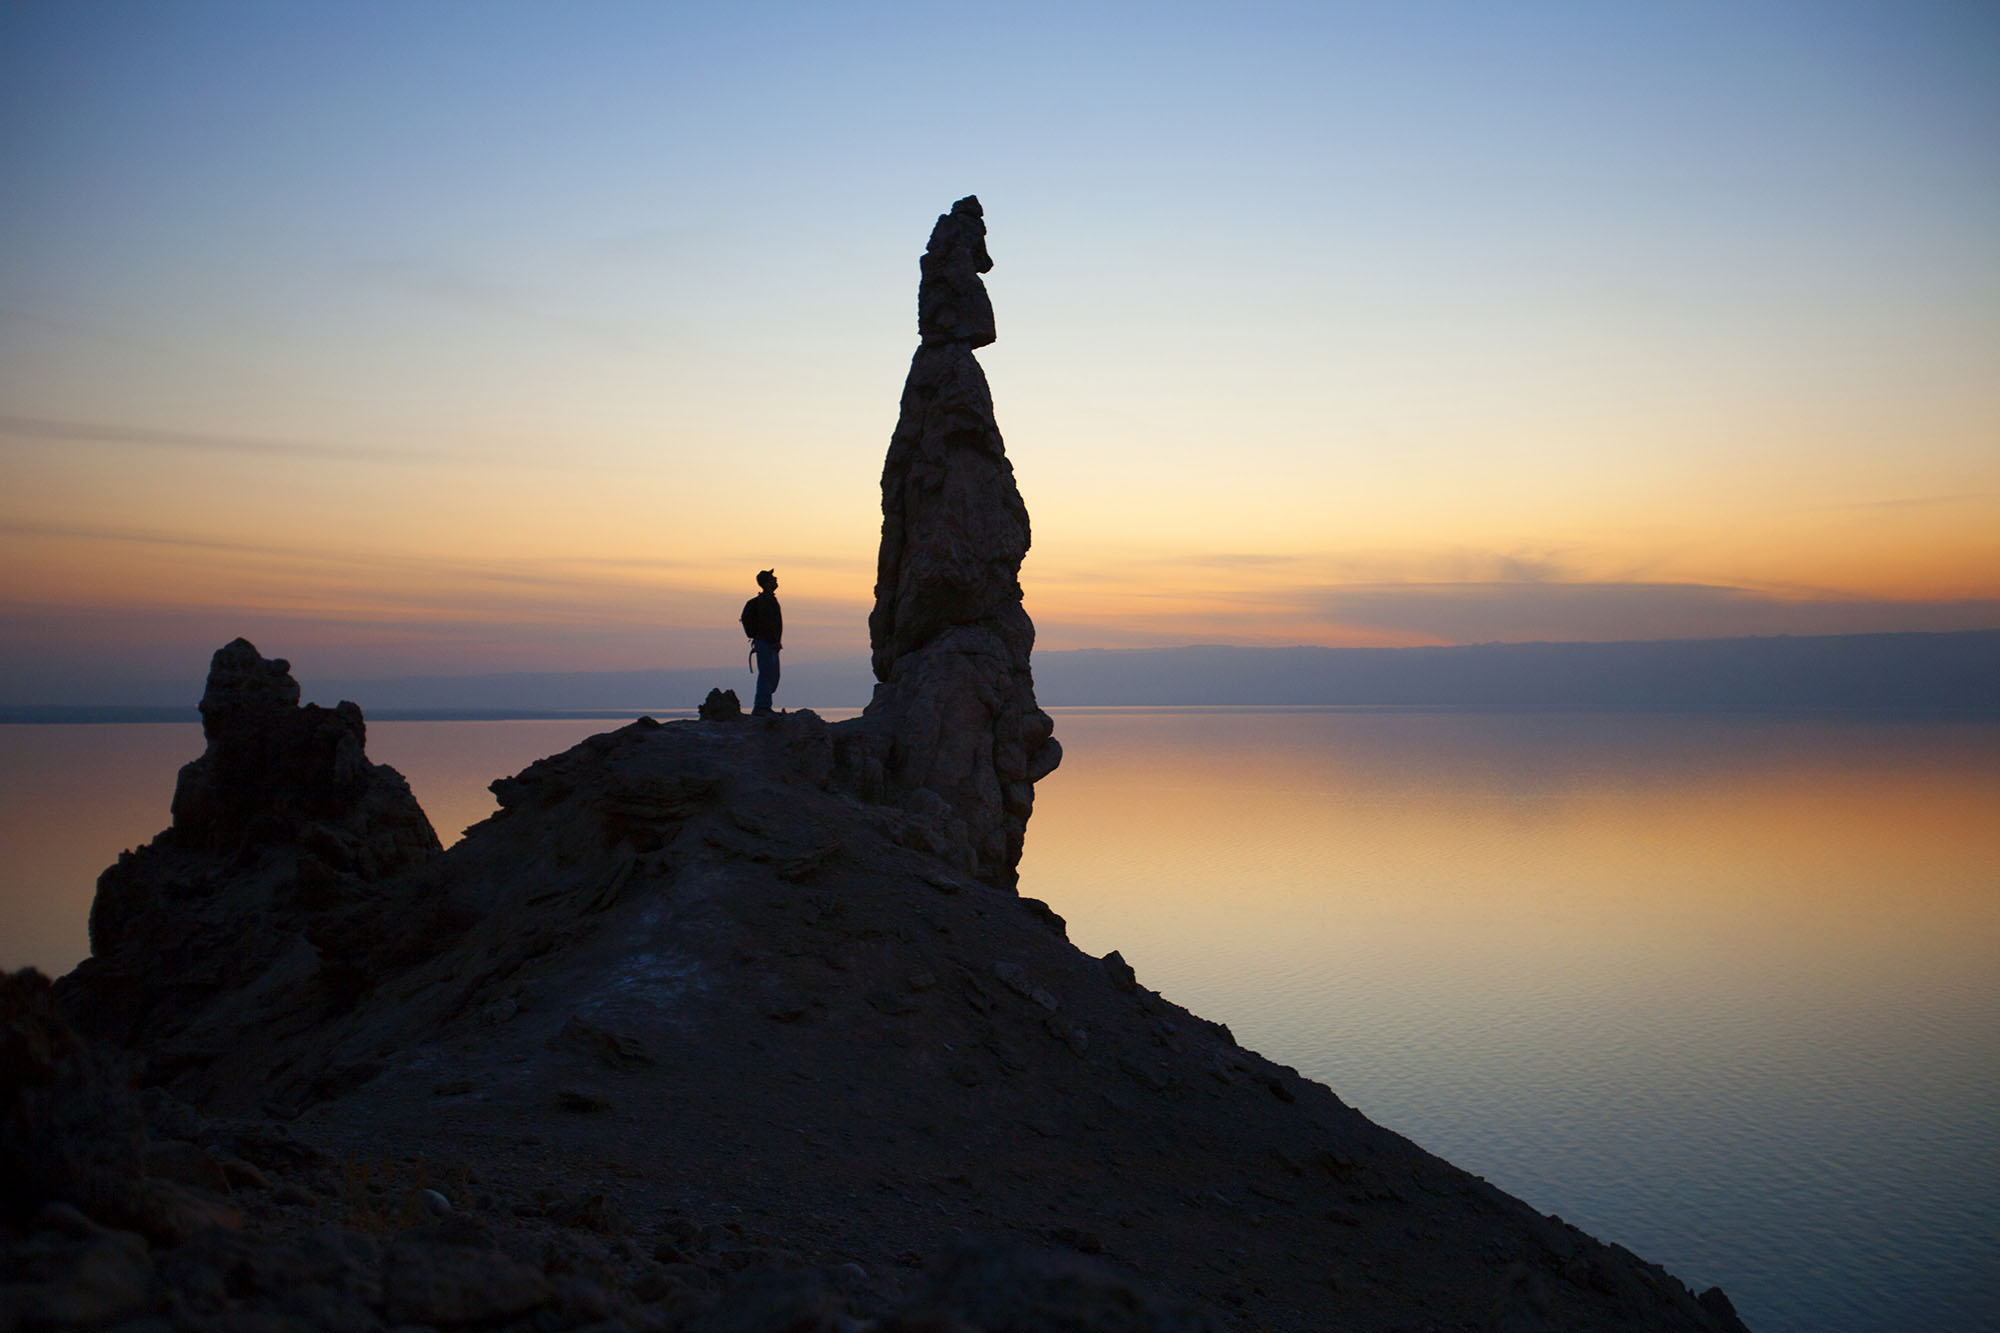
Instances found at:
x=954 y=714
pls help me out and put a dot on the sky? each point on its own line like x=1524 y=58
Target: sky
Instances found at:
x=458 y=337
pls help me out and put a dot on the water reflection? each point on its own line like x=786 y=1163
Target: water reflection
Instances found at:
x=1721 y=989
x=1726 y=991
x=73 y=797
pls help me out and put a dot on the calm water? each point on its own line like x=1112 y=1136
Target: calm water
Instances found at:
x=1726 y=991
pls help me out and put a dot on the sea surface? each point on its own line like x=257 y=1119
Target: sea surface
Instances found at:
x=1725 y=991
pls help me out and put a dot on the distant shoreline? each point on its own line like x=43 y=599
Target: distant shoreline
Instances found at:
x=84 y=715
x=1906 y=674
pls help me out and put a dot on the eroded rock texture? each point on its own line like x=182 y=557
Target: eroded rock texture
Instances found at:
x=953 y=733
x=279 y=829
x=275 y=772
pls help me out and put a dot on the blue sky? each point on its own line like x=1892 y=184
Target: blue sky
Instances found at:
x=425 y=335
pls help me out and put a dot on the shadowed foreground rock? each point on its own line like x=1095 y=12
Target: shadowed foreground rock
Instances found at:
x=702 y=1042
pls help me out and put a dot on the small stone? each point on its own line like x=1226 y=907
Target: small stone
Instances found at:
x=438 y=1205
x=242 y=1175
x=1076 y=1038
x=613 y=1050
x=887 y=1002
x=720 y=706
x=1084 y=1242
x=1047 y=915
x=1122 y=976
x=1017 y=981
x=457 y=1284
x=185 y=1164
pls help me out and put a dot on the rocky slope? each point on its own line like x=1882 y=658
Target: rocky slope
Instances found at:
x=688 y=1027
x=727 y=1025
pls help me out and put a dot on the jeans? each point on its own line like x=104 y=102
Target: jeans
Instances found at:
x=767 y=673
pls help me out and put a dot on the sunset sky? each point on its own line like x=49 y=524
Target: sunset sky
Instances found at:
x=448 y=337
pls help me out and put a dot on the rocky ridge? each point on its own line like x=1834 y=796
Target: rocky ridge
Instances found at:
x=705 y=1042
x=731 y=1025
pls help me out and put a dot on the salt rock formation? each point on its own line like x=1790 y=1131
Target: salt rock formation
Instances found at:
x=953 y=732
x=279 y=829
x=276 y=772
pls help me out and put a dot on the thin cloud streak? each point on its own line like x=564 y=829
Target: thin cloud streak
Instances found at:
x=1906 y=502
x=465 y=291
x=418 y=580
x=150 y=437
x=1606 y=612
x=560 y=575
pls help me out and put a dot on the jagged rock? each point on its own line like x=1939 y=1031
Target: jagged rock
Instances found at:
x=1716 y=1304
x=720 y=706
x=275 y=870
x=952 y=304
x=1121 y=973
x=954 y=714
x=74 y=1133
x=613 y=1050
x=275 y=772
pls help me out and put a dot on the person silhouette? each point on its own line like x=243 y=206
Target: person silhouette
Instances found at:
x=765 y=624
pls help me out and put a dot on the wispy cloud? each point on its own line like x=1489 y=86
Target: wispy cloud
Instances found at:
x=1908 y=502
x=456 y=287
x=382 y=578
x=151 y=437
x=448 y=284
x=1243 y=559
x=1526 y=611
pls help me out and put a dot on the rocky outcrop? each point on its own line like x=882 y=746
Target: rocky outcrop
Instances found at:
x=74 y=1133
x=720 y=706
x=276 y=773
x=953 y=732
x=281 y=830
x=709 y=1044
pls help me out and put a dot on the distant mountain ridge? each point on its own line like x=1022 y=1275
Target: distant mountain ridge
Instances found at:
x=1955 y=673
x=1893 y=673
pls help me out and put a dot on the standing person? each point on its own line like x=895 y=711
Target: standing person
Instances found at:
x=765 y=624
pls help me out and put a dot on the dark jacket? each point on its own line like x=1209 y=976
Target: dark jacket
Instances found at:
x=763 y=620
